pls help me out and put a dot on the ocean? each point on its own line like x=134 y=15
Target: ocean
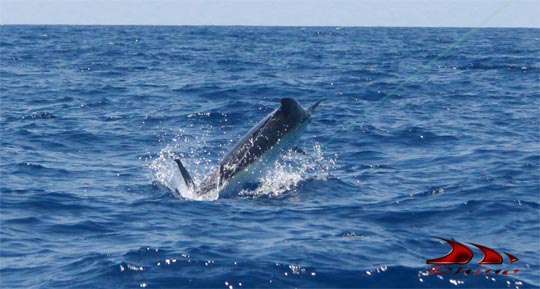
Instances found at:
x=423 y=133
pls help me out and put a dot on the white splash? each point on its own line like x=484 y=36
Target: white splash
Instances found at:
x=167 y=173
x=274 y=179
x=291 y=169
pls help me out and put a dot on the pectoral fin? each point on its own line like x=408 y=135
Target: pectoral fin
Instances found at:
x=299 y=150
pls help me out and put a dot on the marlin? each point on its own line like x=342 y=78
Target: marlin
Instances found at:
x=274 y=134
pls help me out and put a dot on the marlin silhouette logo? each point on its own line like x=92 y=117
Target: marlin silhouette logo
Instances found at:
x=461 y=254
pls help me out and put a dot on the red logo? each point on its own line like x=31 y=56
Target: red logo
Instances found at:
x=462 y=254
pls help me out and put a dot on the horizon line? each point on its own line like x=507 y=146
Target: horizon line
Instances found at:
x=267 y=25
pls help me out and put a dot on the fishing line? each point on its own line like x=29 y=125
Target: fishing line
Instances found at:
x=409 y=79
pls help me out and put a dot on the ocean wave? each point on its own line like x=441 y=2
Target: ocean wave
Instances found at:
x=411 y=141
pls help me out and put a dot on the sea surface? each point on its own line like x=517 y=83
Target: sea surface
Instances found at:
x=422 y=133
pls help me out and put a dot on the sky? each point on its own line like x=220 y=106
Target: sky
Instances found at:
x=431 y=13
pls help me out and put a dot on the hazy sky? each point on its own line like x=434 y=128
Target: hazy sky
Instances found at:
x=447 y=13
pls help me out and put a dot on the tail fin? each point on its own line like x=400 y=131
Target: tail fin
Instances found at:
x=185 y=174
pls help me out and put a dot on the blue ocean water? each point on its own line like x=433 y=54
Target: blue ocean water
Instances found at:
x=423 y=133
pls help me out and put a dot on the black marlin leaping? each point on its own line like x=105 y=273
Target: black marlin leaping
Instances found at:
x=275 y=133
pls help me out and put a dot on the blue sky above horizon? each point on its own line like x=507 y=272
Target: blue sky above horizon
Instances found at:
x=433 y=13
